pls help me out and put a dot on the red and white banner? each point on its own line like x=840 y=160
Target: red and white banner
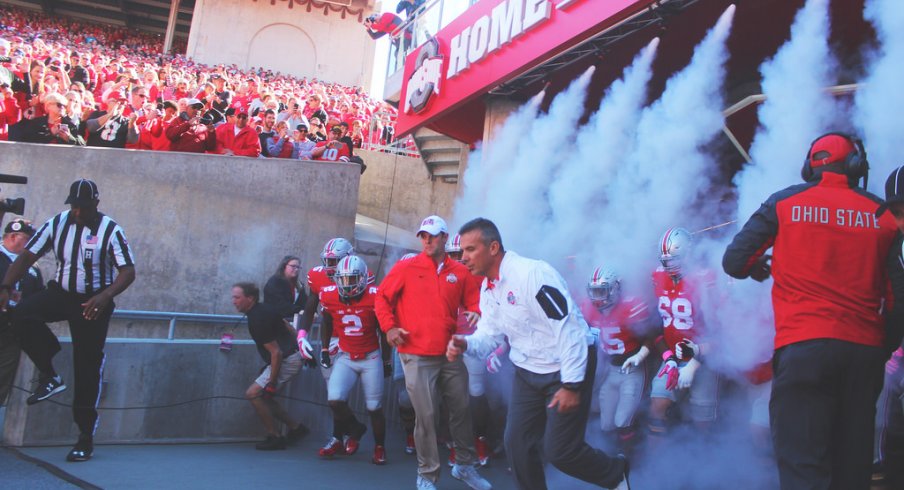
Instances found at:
x=494 y=41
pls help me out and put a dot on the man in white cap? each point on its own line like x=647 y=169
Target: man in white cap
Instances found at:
x=417 y=306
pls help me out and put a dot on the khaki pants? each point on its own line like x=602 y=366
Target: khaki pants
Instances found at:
x=429 y=380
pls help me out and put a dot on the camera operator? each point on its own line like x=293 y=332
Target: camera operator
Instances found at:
x=191 y=132
x=15 y=236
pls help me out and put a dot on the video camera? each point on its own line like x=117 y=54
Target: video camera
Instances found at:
x=15 y=206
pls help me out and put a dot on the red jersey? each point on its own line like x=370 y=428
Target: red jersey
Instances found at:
x=355 y=323
x=679 y=304
x=616 y=325
x=336 y=151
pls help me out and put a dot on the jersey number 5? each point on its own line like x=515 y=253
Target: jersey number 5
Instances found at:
x=676 y=313
x=353 y=325
x=613 y=344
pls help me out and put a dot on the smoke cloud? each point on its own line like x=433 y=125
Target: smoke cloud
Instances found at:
x=797 y=108
x=879 y=102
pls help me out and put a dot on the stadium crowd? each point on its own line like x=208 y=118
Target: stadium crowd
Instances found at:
x=69 y=82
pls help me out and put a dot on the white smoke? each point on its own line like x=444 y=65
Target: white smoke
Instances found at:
x=575 y=196
x=657 y=186
x=484 y=167
x=518 y=202
x=880 y=101
x=797 y=108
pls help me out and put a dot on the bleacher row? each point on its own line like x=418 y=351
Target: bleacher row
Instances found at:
x=51 y=62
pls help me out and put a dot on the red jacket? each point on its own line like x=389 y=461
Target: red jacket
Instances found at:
x=192 y=138
x=414 y=297
x=831 y=261
x=245 y=143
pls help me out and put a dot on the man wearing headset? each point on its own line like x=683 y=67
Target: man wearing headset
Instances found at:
x=832 y=265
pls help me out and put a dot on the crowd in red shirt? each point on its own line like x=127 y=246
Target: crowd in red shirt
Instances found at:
x=111 y=71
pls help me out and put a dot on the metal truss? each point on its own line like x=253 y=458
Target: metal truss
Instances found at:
x=657 y=13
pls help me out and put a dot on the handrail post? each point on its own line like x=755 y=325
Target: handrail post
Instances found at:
x=172 y=329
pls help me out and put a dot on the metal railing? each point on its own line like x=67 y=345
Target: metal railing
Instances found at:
x=173 y=317
x=420 y=27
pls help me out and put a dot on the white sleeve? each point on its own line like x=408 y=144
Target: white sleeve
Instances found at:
x=553 y=305
x=487 y=337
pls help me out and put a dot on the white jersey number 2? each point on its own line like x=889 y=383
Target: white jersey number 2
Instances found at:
x=353 y=325
x=678 y=313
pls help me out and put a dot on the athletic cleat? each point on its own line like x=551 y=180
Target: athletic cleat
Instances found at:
x=483 y=456
x=468 y=474
x=451 y=457
x=623 y=484
x=47 y=387
x=332 y=448
x=409 y=444
x=425 y=484
x=379 y=456
x=354 y=439
x=82 y=450
x=271 y=443
x=294 y=435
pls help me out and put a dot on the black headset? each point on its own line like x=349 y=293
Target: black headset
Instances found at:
x=854 y=165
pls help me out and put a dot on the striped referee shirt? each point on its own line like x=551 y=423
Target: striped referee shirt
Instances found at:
x=86 y=258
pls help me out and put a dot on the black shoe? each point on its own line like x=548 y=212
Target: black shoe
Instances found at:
x=82 y=450
x=623 y=483
x=271 y=443
x=47 y=387
x=297 y=433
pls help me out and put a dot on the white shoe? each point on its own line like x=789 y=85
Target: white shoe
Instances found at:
x=469 y=475
x=424 y=484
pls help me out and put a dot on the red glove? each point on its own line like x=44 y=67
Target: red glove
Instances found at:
x=669 y=369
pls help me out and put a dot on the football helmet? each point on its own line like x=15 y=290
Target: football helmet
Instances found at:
x=334 y=251
x=453 y=247
x=604 y=288
x=673 y=249
x=351 y=277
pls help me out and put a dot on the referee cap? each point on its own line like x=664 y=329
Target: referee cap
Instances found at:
x=894 y=190
x=433 y=225
x=82 y=191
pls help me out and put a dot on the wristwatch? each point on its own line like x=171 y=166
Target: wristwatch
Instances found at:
x=572 y=386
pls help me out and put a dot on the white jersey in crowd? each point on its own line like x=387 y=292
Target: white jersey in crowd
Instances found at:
x=530 y=304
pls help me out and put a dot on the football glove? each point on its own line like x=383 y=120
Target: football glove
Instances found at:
x=325 y=359
x=632 y=362
x=686 y=374
x=304 y=347
x=334 y=346
x=686 y=350
x=669 y=370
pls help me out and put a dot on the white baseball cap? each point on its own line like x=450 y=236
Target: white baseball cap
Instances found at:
x=433 y=225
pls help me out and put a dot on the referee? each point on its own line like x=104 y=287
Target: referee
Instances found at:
x=94 y=264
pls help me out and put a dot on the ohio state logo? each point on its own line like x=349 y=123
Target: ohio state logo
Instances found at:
x=425 y=81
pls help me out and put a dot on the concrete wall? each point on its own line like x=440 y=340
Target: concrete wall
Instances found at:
x=155 y=391
x=296 y=41
x=197 y=223
x=398 y=190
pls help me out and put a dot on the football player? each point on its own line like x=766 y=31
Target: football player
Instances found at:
x=623 y=323
x=348 y=310
x=680 y=290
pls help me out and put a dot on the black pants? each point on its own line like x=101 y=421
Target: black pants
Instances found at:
x=529 y=422
x=30 y=319
x=822 y=413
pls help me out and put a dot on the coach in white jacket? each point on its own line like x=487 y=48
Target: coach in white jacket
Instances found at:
x=554 y=357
